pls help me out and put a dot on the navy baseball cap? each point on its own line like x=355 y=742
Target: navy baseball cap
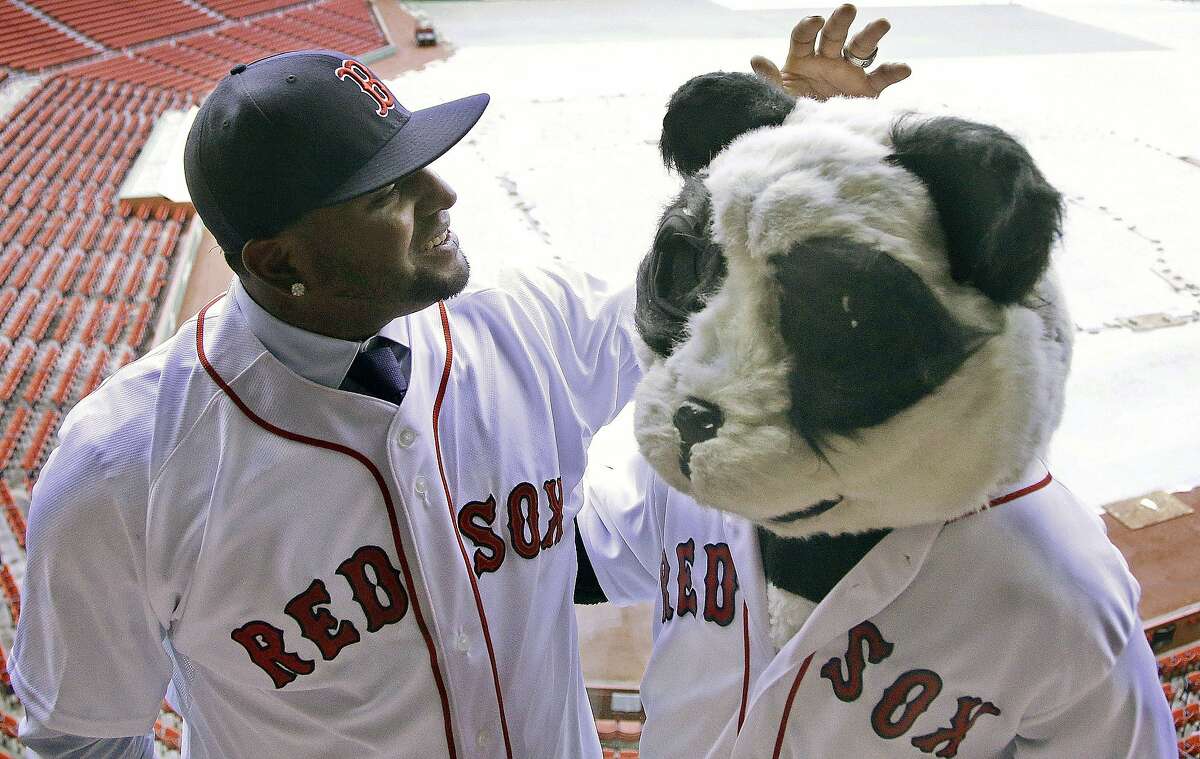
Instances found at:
x=297 y=131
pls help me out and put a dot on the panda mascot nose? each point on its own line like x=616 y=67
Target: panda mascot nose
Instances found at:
x=696 y=421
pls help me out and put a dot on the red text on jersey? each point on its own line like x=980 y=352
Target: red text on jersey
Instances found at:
x=902 y=702
x=524 y=509
x=720 y=583
x=265 y=643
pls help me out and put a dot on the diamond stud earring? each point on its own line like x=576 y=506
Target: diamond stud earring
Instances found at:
x=298 y=289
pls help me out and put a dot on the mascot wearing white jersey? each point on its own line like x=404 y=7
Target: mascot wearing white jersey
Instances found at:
x=854 y=343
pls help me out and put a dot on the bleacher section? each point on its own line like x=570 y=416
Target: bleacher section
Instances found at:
x=193 y=63
x=69 y=251
x=82 y=275
x=119 y=25
x=29 y=43
x=118 y=33
x=1180 y=676
x=244 y=8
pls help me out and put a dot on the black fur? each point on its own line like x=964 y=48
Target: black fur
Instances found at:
x=682 y=269
x=810 y=567
x=710 y=110
x=587 y=585
x=867 y=337
x=999 y=214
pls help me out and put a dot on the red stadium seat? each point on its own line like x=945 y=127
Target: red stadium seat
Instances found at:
x=43 y=366
x=95 y=373
x=12 y=514
x=70 y=313
x=43 y=316
x=47 y=268
x=36 y=453
x=116 y=323
x=12 y=432
x=14 y=322
x=64 y=382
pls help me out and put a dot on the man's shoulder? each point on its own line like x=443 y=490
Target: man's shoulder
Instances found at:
x=125 y=412
x=119 y=404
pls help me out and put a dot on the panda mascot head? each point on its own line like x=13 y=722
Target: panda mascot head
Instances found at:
x=849 y=320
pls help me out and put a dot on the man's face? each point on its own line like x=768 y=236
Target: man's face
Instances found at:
x=390 y=251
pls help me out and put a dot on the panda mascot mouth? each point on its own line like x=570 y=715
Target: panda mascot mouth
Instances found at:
x=812 y=511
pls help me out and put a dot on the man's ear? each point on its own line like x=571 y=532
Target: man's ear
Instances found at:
x=268 y=260
x=999 y=214
x=710 y=110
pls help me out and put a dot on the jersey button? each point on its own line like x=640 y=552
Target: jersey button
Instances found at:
x=420 y=484
x=481 y=738
x=462 y=643
x=406 y=437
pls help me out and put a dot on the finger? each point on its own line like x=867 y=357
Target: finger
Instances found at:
x=887 y=74
x=804 y=36
x=867 y=41
x=765 y=69
x=833 y=36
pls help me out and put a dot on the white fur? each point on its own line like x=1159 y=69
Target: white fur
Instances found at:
x=822 y=174
x=787 y=613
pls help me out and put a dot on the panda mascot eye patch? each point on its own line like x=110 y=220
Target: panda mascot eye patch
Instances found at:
x=866 y=336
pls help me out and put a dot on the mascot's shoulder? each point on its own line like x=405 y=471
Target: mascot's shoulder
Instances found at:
x=1046 y=557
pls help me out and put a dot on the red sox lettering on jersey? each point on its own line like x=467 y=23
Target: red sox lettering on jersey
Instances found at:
x=267 y=646
x=720 y=583
x=900 y=704
x=525 y=534
x=906 y=699
x=265 y=643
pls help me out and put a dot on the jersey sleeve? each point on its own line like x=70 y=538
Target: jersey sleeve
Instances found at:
x=87 y=657
x=49 y=744
x=587 y=324
x=1122 y=716
x=619 y=527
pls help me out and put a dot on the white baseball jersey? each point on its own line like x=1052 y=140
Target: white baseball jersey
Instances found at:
x=1009 y=633
x=320 y=573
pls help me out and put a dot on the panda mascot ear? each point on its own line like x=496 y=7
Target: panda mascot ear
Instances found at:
x=999 y=214
x=710 y=110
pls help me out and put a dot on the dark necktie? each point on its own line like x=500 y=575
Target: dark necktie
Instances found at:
x=381 y=370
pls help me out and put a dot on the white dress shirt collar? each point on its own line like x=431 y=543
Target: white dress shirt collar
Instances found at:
x=319 y=358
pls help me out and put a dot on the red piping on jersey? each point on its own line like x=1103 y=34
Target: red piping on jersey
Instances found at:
x=787 y=708
x=383 y=489
x=1022 y=492
x=745 y=665
x=1009 y=497
x=437 y=446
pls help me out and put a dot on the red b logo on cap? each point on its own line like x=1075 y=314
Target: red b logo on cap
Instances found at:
x=367 y=82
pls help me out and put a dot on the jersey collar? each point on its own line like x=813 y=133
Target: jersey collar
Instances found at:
x=318 y=358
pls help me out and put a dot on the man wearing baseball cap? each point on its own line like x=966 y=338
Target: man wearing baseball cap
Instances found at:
x=334 y=513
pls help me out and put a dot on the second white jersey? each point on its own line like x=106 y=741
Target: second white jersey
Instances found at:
x=1009 y=633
